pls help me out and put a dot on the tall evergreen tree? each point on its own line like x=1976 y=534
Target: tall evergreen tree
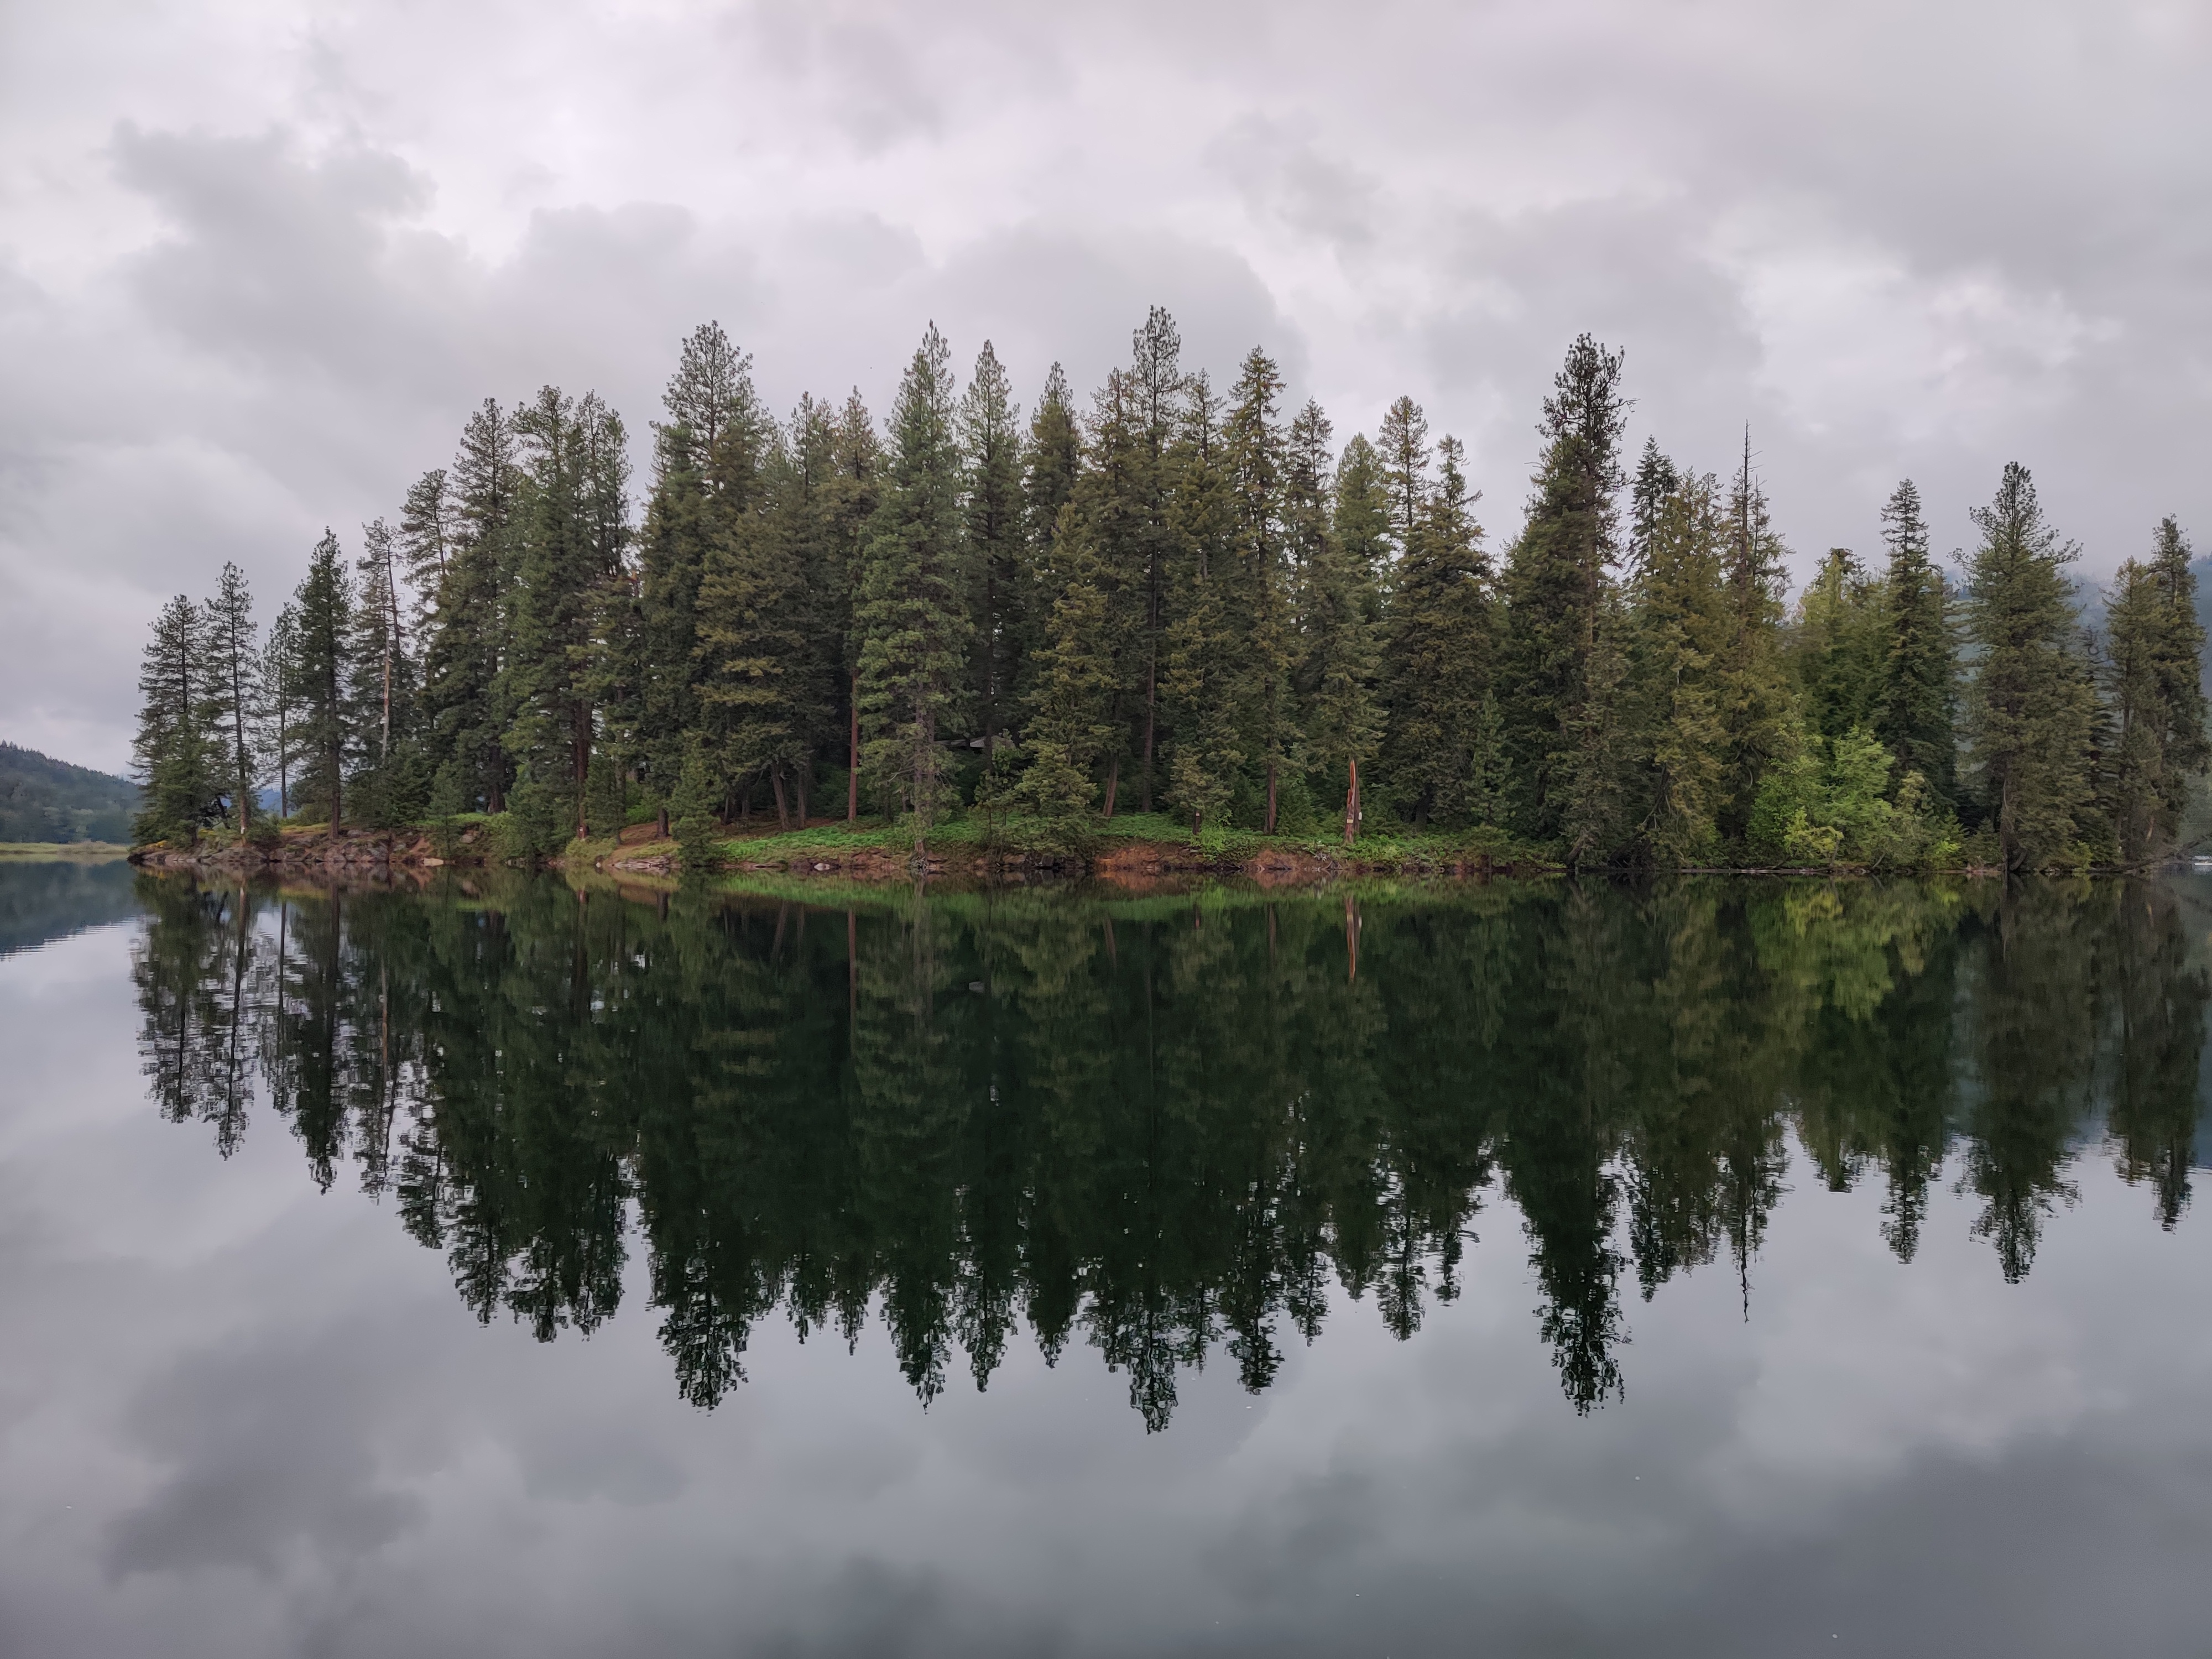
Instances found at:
x=2155 y=651
x=1440 y=750
x=2029 y=708
x=1155 y=386
x=234 y=681
x=1686 y=625
x=1259 y=608
x=1555 y=589
x=176 y=752
x=755 y=690
x=1657 y=480
x=1755 y=705
x=1001 y=598
x=1334 y=527
x=1203 y=677
x=1839 y=647
x=914 y=629
x=279 y=713
x=1919 y=697
x=390 y=788
x=465 y=685
x=706 y=460
x=317 y=683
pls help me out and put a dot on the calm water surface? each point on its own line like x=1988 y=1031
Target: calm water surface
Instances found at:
x=1712 y=1269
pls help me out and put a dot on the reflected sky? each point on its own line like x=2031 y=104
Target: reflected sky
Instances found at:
x=243 y=1415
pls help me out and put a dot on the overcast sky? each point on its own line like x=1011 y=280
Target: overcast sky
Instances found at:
x=257 y=261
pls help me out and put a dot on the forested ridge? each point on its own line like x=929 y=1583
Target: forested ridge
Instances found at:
x=44 y=799
x=1181 y=598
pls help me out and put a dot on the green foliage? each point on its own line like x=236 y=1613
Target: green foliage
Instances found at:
x=2032 y=700
x=1178 y=602
x=47 y=801
x=176 y=748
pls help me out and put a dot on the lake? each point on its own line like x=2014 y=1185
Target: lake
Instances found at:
x=1706 y=1268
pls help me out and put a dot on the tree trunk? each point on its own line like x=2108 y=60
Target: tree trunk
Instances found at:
x=1113 y=782
x=1270 y=829
x=775 y=782
x=853 y=755
x=1151 y=699
x=1351 y=807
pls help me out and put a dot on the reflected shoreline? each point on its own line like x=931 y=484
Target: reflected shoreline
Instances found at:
x=1164 y=1123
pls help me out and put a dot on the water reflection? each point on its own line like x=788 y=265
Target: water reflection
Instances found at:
x=1161 y=1126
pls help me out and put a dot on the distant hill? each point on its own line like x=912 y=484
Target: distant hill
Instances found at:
x=42 y=799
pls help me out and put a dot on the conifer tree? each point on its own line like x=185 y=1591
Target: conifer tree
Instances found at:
x=2029 y=708
x=1258 y=609
x=1112 y=499
x=1202 y=676
x=175 y=752
x=1915 y=715
x=1439 y=749
x=1657 y=480
x=1839 y=647
x=464 y=687
x=1000 y=598
x=755 y=688
x=1685 y=626
x=425 y=535
x=707 y=459
x=391 y=787
x=316 y=683
x=1755 y=705
x=914 y=630
x=279 y=727
x=233 y=680
x=2155 y=651
x=1336 y=527
x=1069 y=721
x=1156 y=384
x=1555 y=588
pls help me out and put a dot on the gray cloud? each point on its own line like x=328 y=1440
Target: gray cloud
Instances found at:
x=257 y=263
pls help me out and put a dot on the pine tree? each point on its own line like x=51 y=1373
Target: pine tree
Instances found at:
x=1201 y=676
x=1839 y=647
x=177 y=755
x=279 y=714
x=1919 y=695
x=2154 y=663
x=569 y=534
x=1657 y=480
x=316 y=683
x=1755 y=705
x=754 y=687
x=1555 y=588
x=1069 y=717
x=1258 y=610
x=914 y=631
x=1001 y=598
x=1685 y=624
x=425 y=535
x=465 y=686
x=2029 y=708
x=1439 y=660
x=1155 y=386
x=391 y=787
x=234 y=681
x=706 y=461
x=1335 y=530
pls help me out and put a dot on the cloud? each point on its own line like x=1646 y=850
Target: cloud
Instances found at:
x=257 y=263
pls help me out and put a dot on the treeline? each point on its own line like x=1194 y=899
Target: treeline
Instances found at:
x=1164 y=1127
x=1180 y=598
x=44 y=799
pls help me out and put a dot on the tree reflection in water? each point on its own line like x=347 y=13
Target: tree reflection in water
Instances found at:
x=1166 y=1124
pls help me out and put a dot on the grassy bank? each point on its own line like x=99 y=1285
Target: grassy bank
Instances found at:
x=83 y=851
